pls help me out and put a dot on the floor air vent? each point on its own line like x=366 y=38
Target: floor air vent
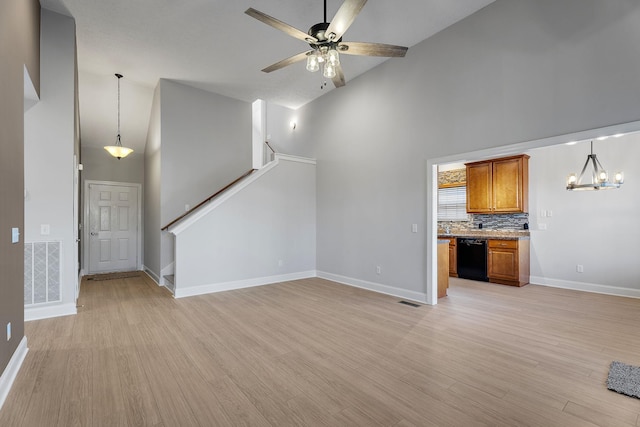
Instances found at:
x=409 y=303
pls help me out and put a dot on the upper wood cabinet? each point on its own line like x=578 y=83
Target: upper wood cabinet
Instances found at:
x=498 y=185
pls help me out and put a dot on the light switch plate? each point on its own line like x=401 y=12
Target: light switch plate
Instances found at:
x=15 y=235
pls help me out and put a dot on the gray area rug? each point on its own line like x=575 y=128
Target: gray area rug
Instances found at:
x=624 y=379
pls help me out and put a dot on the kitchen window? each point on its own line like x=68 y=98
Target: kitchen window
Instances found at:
x=452 y=204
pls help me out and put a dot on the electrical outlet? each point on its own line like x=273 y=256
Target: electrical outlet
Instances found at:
x=45 y=229
x=414 y=228
x=378 y=269
x=580 y=268
x=8 y=331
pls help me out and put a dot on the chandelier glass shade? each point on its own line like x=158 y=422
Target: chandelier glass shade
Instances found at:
x=117 y=150
x=597 y=179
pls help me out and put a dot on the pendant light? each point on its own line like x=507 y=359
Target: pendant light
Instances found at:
x=117 y=150
x=599 y=179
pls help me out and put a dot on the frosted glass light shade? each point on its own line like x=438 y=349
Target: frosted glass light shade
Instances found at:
x=312 y=63
x=329 y=71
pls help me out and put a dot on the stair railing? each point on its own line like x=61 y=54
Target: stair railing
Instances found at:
x=208 y=199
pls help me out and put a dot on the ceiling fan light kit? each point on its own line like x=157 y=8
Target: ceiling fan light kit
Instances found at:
x=325 y=40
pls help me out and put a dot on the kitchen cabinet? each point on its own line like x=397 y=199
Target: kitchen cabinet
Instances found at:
x=508 y=262
x=453 y=257
x=443 y=267
x=498 y=185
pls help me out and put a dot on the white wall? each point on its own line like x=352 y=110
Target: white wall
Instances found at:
x=516 y=71
x=265 y=233
x=49 y=149
x=596 y=229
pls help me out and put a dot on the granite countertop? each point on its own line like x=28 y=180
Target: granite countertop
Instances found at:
x=487 y=234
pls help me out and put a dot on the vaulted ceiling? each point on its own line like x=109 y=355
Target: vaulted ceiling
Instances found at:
x=215 y=46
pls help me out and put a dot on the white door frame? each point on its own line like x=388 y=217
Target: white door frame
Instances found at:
x=85 y=228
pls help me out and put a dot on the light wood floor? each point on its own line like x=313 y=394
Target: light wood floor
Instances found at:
x=312 y=352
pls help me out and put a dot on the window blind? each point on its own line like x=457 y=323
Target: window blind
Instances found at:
x=452 y=204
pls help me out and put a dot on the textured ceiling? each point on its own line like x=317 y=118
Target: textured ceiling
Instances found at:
x=213 y=45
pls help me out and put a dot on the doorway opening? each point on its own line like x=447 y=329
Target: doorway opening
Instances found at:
x=529 y=147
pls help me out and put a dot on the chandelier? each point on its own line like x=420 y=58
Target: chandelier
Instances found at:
x=117 y=150
x=598 y=179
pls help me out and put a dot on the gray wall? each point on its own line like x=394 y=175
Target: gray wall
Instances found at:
x=50 y=131
x=206 y=144
x=517 y=70
x=19 y=47
x=151 y=190
x=98 y=165
x=281 y=136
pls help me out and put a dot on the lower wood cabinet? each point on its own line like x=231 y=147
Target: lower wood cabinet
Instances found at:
x=443 y=268
x=508 y=262
x=453 y=258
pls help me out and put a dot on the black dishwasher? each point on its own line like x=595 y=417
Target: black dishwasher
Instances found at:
x=472 y=259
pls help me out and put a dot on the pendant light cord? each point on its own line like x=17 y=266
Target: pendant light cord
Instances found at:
x=118 y=106
x=119 y=142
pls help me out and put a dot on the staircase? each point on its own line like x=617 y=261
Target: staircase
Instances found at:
x=259 y=229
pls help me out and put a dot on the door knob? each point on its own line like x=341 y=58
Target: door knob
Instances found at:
x=93 y=233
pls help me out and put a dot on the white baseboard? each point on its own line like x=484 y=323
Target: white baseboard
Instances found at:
x=375 y=287
x=586 y=287
x=240 y=284
x=46 y=312
x=11 y=371
x=152 y=274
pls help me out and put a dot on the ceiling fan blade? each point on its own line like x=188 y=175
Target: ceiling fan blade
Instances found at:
x=338 y=80
x=279 y=25
x=291 y=60
x=372 y=49
x=344 y=18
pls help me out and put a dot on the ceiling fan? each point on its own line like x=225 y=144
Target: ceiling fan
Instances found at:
x=326 y=42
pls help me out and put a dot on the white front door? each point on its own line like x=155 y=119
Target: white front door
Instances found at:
x=113 y=227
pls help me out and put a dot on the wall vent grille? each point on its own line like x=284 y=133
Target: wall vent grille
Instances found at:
x=42 y=272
